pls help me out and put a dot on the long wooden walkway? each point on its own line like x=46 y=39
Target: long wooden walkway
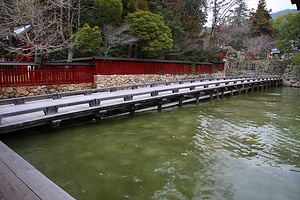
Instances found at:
x=52 y=109
x=20 y=180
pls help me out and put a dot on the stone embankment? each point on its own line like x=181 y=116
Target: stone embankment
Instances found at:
x=15 y=92
x=256 y=68
x=103 y=81
x=291 y=76
x=100 y=81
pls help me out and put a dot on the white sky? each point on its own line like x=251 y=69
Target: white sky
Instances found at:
x=275 y=5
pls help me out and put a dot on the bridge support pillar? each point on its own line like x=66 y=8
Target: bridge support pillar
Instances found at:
x=239 y=90
x=180 y=101
x=160 y=103
x=197 y=96
x=231 y=91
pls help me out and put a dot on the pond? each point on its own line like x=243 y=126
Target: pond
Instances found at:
x=241 y=147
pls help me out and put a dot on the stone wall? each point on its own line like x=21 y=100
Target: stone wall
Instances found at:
x=262 y=68
x=15 y=92
x=103 y=81
x=291 y=76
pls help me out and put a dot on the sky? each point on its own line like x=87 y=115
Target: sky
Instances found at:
x=275 y=5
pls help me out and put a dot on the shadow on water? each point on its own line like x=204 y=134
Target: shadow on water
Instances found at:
x=245 y=147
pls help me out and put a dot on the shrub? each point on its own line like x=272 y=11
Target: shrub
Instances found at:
x=295 y=60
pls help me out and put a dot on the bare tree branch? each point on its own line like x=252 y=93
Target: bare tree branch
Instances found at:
x=114 y=37
x=257 y=45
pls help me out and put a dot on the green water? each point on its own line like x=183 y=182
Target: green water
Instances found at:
x=244 y=147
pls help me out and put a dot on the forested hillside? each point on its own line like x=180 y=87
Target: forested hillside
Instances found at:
x=169 y=29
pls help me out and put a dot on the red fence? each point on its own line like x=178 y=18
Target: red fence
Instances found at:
x=110 y=66
x=26 y=74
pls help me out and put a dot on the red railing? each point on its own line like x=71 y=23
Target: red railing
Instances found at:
x=27 y=74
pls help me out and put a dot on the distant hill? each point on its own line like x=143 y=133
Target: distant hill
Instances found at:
x=282 y=12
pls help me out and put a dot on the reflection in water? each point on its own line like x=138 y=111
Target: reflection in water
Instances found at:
x=245 y=147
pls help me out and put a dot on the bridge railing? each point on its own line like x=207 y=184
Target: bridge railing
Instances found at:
x=22 y=100
x=52 y=107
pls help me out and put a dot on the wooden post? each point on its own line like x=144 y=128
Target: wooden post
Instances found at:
x=180 y=101
x=197 y=98
x=133 y=108
x=159 y=105
x=211 y=95
x=98 y=116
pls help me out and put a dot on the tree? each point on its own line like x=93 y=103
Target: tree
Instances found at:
x=50 y=26
x=155 y=38
x=185 y=19
x=88 y=39
x=288 y=31
x=192 y=13
x=35 y=16
x=238 y=28
x=110 y=10
x=240 y=14
x=259 y=45
x=114 y=37
x=68 y=19
x=221 y=11
x=261 y=21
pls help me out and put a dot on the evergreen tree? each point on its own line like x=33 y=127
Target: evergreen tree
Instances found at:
x=261 y=21
x=288 y=31
x=240 y=14
x=238 y=25
x=155 y=38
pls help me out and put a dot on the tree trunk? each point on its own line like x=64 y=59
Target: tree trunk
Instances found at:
x=129 y=51
x=70 y=54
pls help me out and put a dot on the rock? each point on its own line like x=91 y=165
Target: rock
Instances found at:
x=9 y=89
x=296 y=84
x=12 y=95
x=21 y=90
x=71 y=88
x=52 y=91
x=286 y=84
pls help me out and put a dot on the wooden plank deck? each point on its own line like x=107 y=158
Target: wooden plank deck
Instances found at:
x=20 y=180
x=38 y=112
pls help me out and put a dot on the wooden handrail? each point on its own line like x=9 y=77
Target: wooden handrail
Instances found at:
x=128 y=95
x=22 y=100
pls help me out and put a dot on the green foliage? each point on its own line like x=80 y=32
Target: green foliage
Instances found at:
x=172 y=20
x=129 y=6
x=288 y=31
x=155 y=38
x=240 y=14
x=110 y=10
x=295 y=60
x=261 y=24
x=88 y=39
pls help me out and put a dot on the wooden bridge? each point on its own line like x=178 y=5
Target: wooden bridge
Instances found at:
x=52 y=109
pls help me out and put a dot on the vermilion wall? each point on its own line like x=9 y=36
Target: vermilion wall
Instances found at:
x=110 y=66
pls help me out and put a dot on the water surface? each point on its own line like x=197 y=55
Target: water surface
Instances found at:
x=244 y=147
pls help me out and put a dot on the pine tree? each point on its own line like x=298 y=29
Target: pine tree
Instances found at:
x=261 y=21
